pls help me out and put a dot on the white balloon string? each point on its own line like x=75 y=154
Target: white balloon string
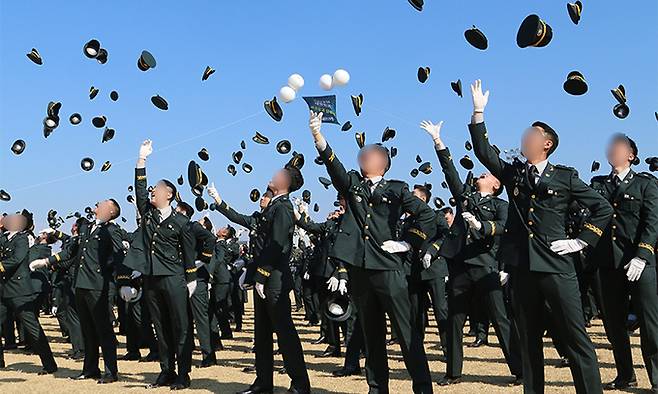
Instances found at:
x=177 y=143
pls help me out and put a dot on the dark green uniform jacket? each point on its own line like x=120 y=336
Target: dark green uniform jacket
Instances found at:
x=98 y=252
x=40 y=277
x=15 y=265
x=205 y=243
x=168 y=245
x=438 y=268
x=371 y=218
x=274 y=229
x=633 y=231
x=218 y=263
x=475 y=247
x=323 y=265
x=538 y=215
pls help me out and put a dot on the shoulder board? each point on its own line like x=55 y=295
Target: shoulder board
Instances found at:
x=646 y=175
x=397 y=182
x=563 y=167
x=599 y=178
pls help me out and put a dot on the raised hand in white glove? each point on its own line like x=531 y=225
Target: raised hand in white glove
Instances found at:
x=127 y=293
x=504 y=277
x=306 y=276
x=434 y=130
x=214 y=194
x=391 y=246
x=135 y=275
x=332 y=284
x=39 y=263
x=472 y=222
x=566 y=246
x=191 y=288
x=53 y=310
x=634 y=269
x=342 y=286
x=315 y=123
x=126 y=244
x=260 y=290
x=427 y=260
x=480 y=100
x=145 y=149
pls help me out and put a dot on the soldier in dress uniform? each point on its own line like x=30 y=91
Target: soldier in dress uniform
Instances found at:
x=199 y=302
x=535 y=247
x=369 y=244
x=163 y=252
x=474 y=270
x=626 y=258
x=17 y=291
x=98 y=250
x=221 y=285
x=272 y=281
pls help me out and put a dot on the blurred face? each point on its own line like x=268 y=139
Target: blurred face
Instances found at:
x=74 y=229
x=487 y=183
x=161 y=195
x=222 y=233
x=450 y=217
x=14 y=222
x=418 y=193
x=280 y=182
x=535 y=144
x=105 y=211
x=372 y=162
x=620 y=153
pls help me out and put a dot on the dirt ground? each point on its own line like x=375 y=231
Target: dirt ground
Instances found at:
x=484 y=367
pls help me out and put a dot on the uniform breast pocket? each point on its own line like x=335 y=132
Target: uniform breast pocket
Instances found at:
x=630 y=203
x=554 y=198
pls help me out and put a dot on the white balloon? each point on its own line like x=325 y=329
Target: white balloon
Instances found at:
x=326 y=82
x=287 y=94
x=296 y=82
x=341 y=77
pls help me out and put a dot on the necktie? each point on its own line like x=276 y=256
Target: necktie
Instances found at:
x=156 y=215
x=616 y=181
x=534 y=175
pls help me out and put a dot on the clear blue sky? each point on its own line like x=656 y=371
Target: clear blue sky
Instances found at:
x=254 y=46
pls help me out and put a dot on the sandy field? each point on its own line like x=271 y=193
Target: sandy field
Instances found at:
x=484 y=368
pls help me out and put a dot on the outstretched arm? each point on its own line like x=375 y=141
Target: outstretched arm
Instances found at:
x=339 y=176
x=141 y=192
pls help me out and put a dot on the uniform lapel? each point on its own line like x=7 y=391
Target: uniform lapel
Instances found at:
x=623 y=186
x=379 y=190
x=546 y=178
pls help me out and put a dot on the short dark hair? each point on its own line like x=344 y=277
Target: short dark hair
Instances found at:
x=118 y=208
x=425 y=190
x=231 y=231
x=447 y=210
x=172 y=187
x=207 y=223
x=552 y=135
x=187 y=209
x=296 y=178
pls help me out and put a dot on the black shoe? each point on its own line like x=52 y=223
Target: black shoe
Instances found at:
x=447 y=381
x=150 y=358
x=331 y=351
x=312 y=323
x=77 y=355
x=255 y=390
x=48 y=371
x=11 y=346
x=516 y=381
x=227 y=336
x=319 y=340
x=478 y=342
x=164 y=379
x=130 y=356
x=84 y=376
x=346 y=372
x=2 y=363
x=181 y=383
x=209 y=362
x=620 y=384
x=249 y=369
x=294 y=390
x=108 y=378
x=564 y=363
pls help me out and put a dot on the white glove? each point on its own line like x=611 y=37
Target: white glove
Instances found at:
x=342 y=286
x=472 y=221
x=39 y=263
x=315 y=123
x=126 y=244
x=446 y=279
x=566 y=246
x=634 y=269
x=395 y=246
x=212 y=192
x=53 y=310
x=427 y=260
x=333 y=284
x=241 y=279
x=306 y=276
x=191 y=288
x=504 y=277
x=198 y=264
x=260 y=289
x=135 y=275
x=479 y=100
x=434 y=130
x=47 y=231
x=145 y=149
x=127 y=293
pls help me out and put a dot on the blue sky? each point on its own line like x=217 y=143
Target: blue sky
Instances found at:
x=255 y=46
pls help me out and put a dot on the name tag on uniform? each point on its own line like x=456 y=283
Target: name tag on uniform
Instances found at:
x=551 y=192
x=386 y=200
